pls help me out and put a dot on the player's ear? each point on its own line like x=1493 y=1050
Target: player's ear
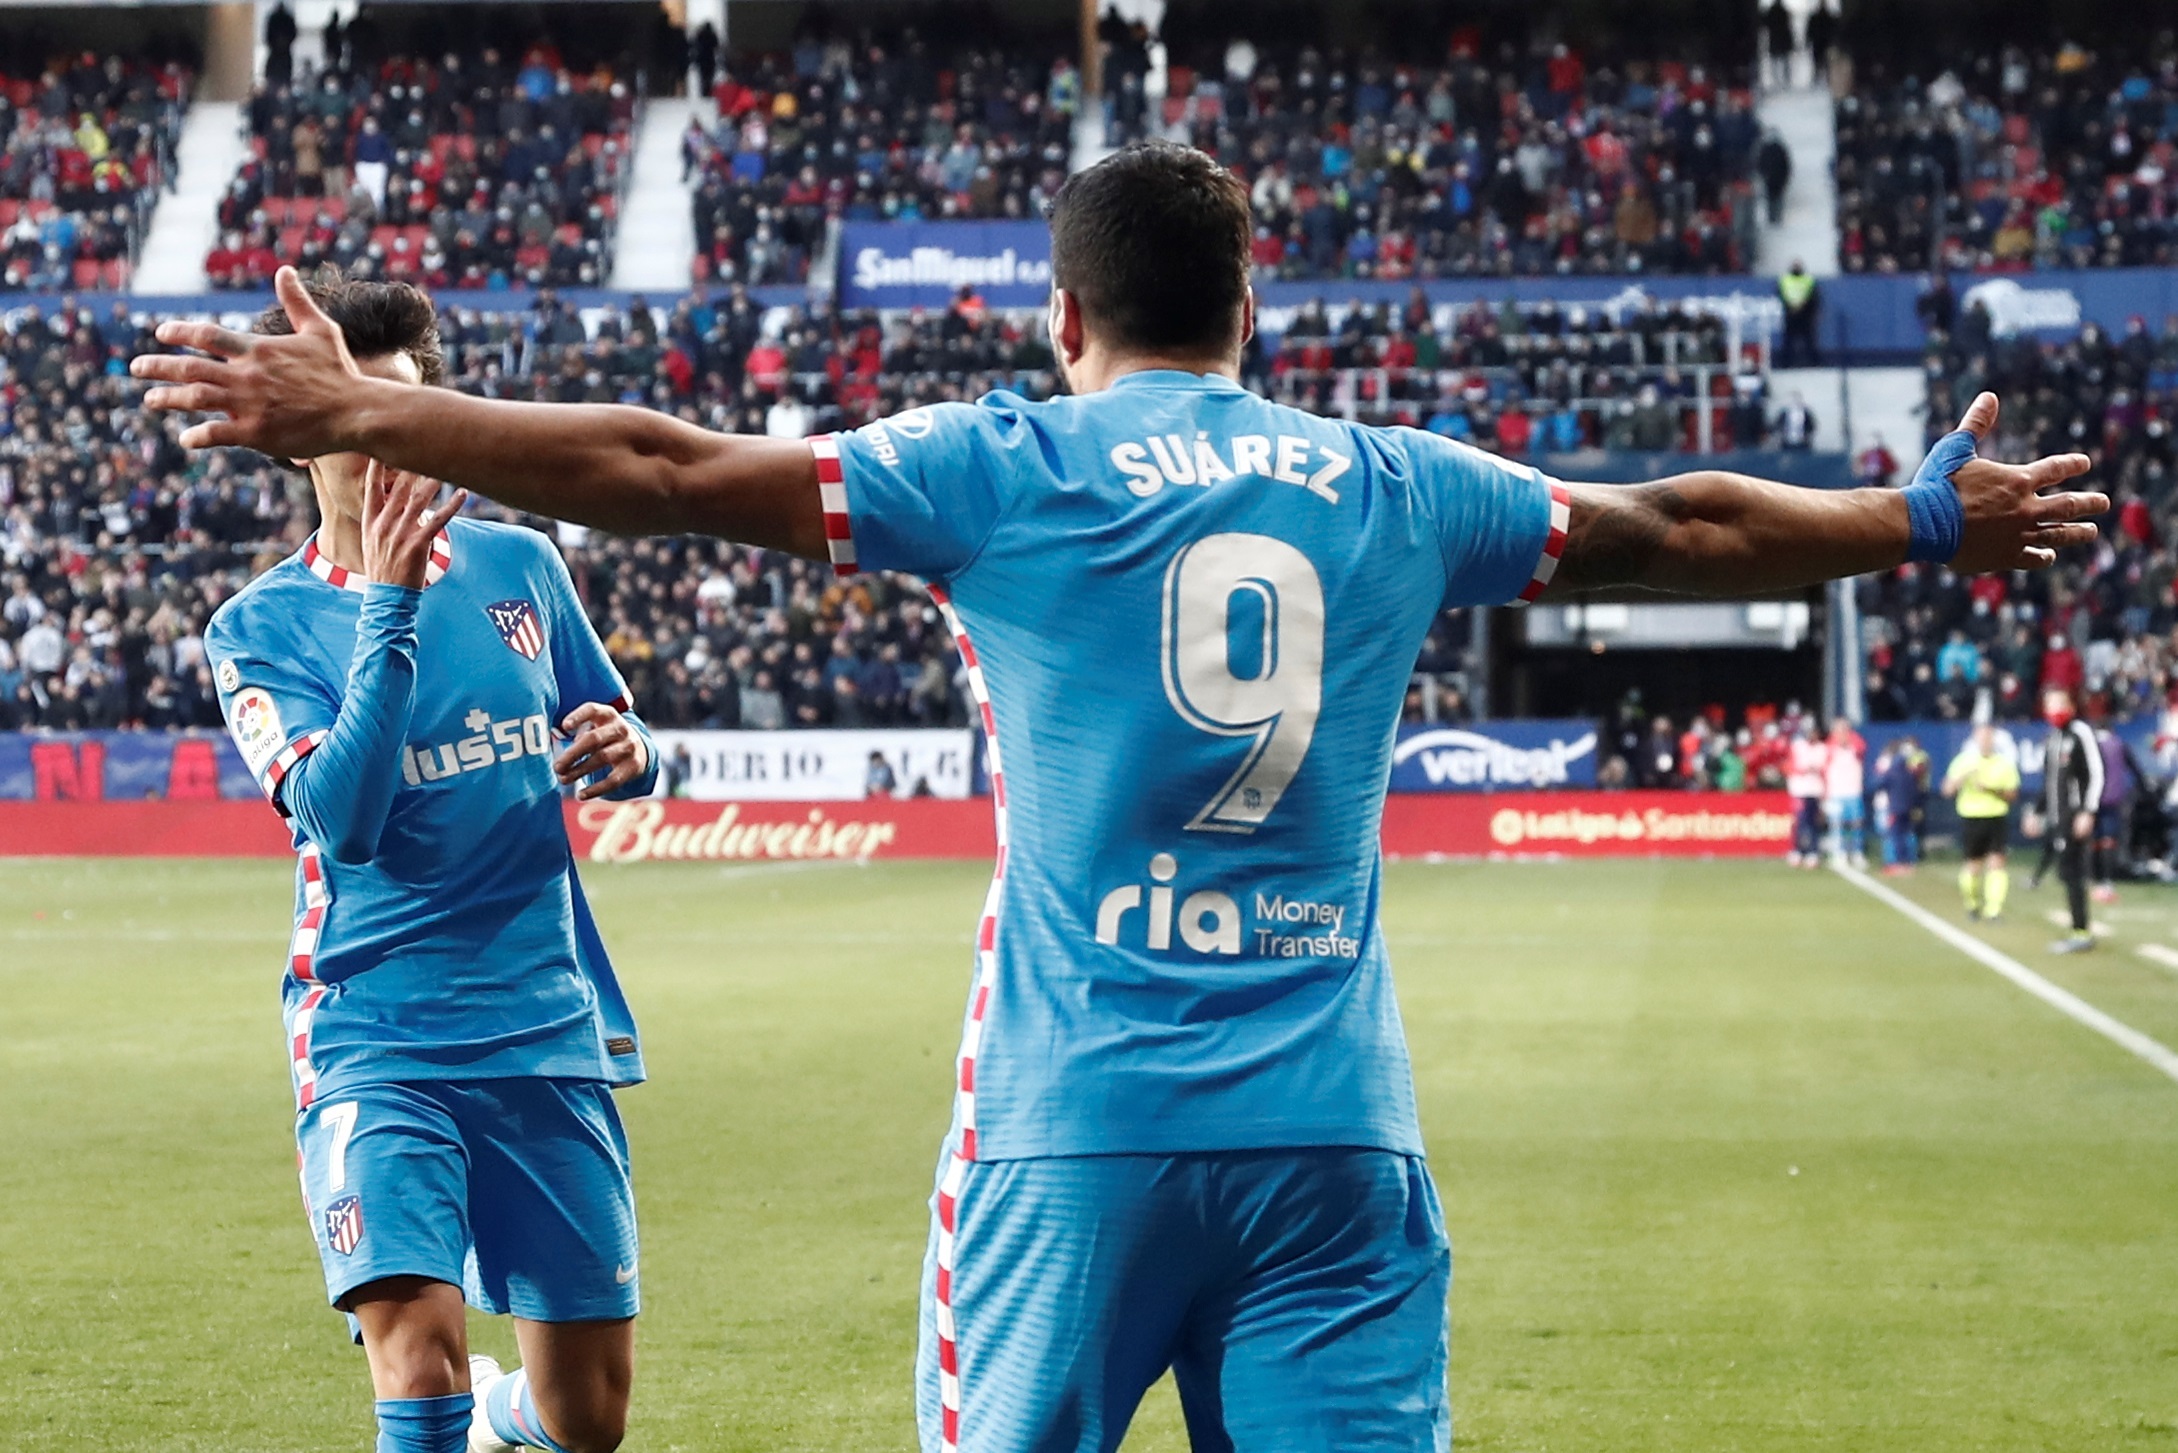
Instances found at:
x=1247 y=316
x=1066 y=328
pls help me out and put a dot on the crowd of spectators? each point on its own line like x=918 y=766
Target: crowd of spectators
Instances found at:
x=1365 y=168
x=870 y=132
x=1527 y=162
x=2013 y=158
x=116 y=545
x=480 y=172
x=2102 y=622
x=1529 y=378
x=86 y=146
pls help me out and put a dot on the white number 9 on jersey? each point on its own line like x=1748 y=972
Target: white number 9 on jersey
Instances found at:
x=1261 y=596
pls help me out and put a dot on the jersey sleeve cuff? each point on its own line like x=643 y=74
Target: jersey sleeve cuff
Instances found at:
x=1546 y=566
x=839 y=528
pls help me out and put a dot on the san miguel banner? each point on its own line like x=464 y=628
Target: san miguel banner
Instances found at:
x=924 y=264
x=1495 y=756
x=814 y=766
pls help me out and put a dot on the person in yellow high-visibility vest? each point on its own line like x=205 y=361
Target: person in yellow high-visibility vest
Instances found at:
x=1983 y=781
x=1802 y=300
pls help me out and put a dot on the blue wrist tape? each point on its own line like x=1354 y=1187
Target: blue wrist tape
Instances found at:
x=1937 y=519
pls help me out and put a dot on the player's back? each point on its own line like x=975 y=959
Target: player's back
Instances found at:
x=1191 y=616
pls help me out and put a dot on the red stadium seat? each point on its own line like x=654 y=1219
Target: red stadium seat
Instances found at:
x=440 y=146
x=85 y=272
x=114 y=276
x=335 y=207
x=569 y=233
x=10 y=209
x=276 y=210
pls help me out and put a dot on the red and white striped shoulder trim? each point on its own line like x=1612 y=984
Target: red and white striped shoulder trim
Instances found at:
x=1561 y=517
x=442 y=560
x=839 y=527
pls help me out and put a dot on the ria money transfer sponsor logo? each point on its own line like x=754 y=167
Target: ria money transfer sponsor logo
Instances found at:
x=1211 y=922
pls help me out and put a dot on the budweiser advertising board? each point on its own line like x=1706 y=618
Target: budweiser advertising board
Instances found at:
x=1419 y=825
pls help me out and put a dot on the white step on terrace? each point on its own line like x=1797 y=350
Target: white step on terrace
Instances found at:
x=1808 y=230
x=186 y=223
x=1880 y=401
x=656 y=246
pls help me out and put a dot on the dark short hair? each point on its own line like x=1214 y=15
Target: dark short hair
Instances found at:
x=1154 y=242
x=378 y=319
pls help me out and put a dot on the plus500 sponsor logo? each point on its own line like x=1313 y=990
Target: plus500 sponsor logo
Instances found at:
x=493 y=742
x=1455 y=758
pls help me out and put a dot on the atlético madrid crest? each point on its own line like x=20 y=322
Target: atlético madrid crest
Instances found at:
x=518 y=627
x=344 y=1224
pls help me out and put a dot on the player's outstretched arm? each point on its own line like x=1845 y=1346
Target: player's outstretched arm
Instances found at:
x=624 y=469
x=1716 y=534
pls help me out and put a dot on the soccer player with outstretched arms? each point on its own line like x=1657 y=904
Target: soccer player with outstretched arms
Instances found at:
x=1184 y=1129
x=454 y=1026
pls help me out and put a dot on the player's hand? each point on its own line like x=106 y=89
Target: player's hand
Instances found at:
x=603 y=742
x=2083 y=827
x=293 y=397
x=2011 y=524
x=399 y=524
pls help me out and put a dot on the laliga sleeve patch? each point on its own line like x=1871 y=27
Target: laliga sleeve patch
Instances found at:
x=254 y=723
x=229 y=678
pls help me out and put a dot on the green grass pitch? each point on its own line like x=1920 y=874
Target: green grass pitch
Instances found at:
x=1734 y=1158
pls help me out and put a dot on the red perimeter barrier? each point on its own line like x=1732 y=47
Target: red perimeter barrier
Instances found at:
x=1416 y=825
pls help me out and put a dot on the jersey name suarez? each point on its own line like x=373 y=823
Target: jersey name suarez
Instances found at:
x=464 y=949
x=1189 y=617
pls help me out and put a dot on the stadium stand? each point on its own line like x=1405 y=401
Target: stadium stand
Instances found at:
x=1531 y=379
x=1366 y=170
x=86 y=145
x=2103 y=622
x=2011 y=159
x=450 y=173
x=116 y=545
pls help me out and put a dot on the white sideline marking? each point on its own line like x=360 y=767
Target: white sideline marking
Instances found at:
x=2156 y=953
x=2071 y=1005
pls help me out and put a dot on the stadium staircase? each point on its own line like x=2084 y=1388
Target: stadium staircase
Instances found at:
x=657 y=244
x=186 y=223
x=1802 y=115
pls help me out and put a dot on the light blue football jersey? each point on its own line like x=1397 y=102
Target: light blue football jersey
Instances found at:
x=1189 y=617
x=463 y=949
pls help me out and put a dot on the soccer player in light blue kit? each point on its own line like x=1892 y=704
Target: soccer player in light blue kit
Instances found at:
x=454 y=1027
x=1184 y=1132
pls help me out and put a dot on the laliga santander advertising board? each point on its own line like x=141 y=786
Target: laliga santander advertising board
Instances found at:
x=664 y=830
